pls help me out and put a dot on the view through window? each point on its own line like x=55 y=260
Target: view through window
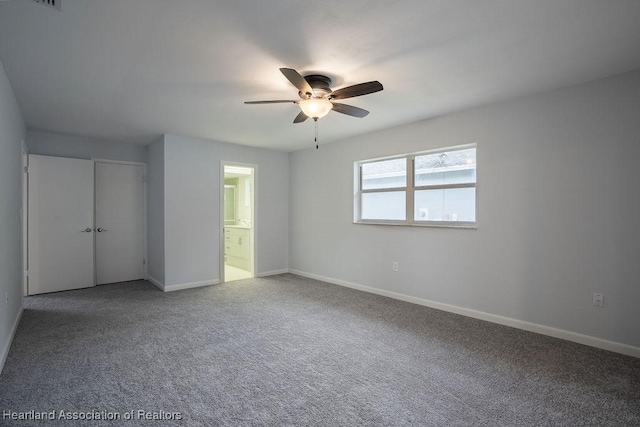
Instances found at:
x=431 y=188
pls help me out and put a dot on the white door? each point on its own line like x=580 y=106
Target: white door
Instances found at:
x=60 y=224
x=119 y=222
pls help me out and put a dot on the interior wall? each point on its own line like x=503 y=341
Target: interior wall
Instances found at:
x=12 y=133
x=557 y=212
x=155 y=210
x=59 y=145
x=192 y=208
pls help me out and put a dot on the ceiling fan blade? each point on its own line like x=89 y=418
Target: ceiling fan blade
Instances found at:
x=357 y=90
x=270 y=102
x=301 y=117
x=350 y=110
x=297 y=80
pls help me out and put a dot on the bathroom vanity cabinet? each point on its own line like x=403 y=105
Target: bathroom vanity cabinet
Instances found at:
x=237 y=246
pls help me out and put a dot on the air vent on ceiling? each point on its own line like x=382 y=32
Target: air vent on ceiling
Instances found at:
x=56 y=4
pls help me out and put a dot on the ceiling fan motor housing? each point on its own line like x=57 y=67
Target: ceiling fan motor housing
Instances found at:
x=320 y=85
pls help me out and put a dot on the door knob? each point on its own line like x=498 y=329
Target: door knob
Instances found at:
x=100 y=230
x=87 y=230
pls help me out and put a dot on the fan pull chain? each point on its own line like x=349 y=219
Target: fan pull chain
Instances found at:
x=316 y=138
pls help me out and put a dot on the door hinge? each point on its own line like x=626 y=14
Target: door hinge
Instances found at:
x=26 y=169
x=26 y=273
x=144 y=179
x=144 y=261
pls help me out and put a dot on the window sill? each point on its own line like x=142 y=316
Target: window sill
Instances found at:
x=432 y=224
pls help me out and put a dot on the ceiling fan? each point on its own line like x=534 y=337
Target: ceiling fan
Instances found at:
x=316 y=96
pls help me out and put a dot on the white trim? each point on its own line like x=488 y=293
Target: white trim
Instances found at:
x=421 y=153
x=432 y=224
x=25 y=218
x=617 y=347
x=410 y=188
x=145 y=189
x=273 y=272
x=221 y=223
x=121 y=162
x=158 y=284
x=181 y=286
x=7 y=346
x=254 y=216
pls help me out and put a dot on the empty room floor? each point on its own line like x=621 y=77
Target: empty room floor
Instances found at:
x=286 y=350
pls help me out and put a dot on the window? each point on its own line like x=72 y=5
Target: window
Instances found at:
x=431 y=188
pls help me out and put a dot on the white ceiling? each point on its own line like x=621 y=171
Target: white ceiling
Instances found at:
x=131 y=70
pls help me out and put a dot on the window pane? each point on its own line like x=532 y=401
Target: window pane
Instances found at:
x=451 y=167
x=451 y=204
x=390 y=205
x=384 y=174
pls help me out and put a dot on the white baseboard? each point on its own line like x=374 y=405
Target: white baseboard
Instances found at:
x=158 y=284
x=494 y=318
x=181 y=286
x=273 y=272
x=7 y=345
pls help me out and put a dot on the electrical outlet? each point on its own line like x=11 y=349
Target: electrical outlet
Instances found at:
x=394 y=266
x=598 y=299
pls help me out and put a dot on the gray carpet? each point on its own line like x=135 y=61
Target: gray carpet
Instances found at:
x=286 y=350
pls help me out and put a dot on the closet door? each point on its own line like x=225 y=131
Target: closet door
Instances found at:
x=60 y=224
x=119 y=222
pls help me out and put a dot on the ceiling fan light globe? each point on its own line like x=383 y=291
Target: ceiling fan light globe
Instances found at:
x=315 y=108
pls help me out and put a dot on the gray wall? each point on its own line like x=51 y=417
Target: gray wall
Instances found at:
x=557 y=212
x=192 y=207
x=53 y=144
x=155 y=211
x=12 y=133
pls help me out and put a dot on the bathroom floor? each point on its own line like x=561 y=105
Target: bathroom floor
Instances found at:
x=232 y=273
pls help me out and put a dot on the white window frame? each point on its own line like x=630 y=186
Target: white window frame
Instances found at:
x=410 y=190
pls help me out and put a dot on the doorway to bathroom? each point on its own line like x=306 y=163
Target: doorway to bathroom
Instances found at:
x=238 y=227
